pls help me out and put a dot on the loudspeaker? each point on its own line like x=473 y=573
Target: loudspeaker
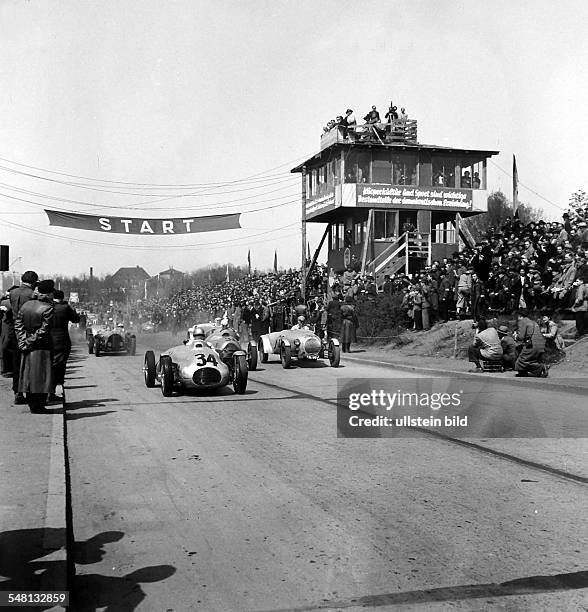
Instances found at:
x=4 y=264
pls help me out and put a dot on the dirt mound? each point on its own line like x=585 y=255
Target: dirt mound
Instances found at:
x=576 y=357
x=442 y=340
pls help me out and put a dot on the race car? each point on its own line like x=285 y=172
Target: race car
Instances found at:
x=301 y=344
x=197 y=365
x=225 y=340
x=105 y=339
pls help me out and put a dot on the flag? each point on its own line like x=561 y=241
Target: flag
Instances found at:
x=275 y=262
x=249 y=262
x=308 y=250
x=227 y=276
x=515 y=187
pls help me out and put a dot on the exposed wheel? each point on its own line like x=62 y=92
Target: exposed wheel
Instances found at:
x=167 y=375
x=262 y=355
x=240 y=374
x=334 y=354
x=285 y=356
x=149 y=369
x=132 y=347
x=252 y=356
x=90 y=345
x=97 y=347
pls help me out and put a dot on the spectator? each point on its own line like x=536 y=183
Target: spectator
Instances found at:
x=530 y=359
x=580 y=308
x=509 y=348
x=486 y=345
x=349 y=324
x=18 y=297
x=32 y=326
x=64 y=314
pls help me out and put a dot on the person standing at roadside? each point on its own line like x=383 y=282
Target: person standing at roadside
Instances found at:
x=64 y=314
x=33 y=333
x=18 y=297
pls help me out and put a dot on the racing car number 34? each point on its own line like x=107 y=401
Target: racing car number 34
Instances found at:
x=204 y=359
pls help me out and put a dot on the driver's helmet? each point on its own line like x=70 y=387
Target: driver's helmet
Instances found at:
x=120 y=325
x=225 y=323
x=198 y=333
x=217 y=321
x=301 y=319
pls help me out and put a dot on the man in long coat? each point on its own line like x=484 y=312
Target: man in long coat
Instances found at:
x=18 y=297
x=33 y=333
x=530 y=359
x=64 y=314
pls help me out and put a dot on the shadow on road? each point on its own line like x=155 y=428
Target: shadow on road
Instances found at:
x=22 y=562
x=530 y=585
x=112 y=593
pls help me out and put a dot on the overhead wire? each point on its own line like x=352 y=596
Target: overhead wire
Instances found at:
x=151 y=185
x=142 y=247
x=527 y=187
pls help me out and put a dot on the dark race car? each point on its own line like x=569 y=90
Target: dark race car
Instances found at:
x=107 y=340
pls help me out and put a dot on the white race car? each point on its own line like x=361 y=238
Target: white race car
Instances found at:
x=196 y=365
x=301 y=344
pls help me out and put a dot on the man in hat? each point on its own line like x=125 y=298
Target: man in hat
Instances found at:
x=509 y=348
x=64 y=314
x=33 y=333
x=18 y=297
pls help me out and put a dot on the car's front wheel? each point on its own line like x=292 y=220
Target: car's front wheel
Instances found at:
x=167 y=375
x=285 y=356
x=334 y=354
x=97 y=348
x=240 y=374
x=263 y=356
x=252 y=356
x=149 y=369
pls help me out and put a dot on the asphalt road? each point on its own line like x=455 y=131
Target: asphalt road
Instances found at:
x=252 y=503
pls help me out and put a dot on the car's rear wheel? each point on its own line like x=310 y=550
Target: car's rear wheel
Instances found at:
x=90 y=345
x=252 y=356
x=285 y=356
x=167 y=375
x=334 y=354
x=132 y=347
x=149 y=369
x=97 y=347
x=262 y=354
x=240 y=374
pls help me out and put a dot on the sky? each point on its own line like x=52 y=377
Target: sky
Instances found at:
x=179 y=108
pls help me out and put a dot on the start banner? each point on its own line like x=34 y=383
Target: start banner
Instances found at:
x=134 y=225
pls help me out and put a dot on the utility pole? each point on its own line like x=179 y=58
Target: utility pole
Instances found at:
x=303 y=266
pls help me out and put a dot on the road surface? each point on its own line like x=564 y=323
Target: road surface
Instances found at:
x=252 y=503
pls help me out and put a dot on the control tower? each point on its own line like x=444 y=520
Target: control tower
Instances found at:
x=390 y=202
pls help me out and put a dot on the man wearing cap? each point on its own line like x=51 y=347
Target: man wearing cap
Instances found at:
x=509 y=348
x=33 y=333
x=18 y=297
x=63 y=315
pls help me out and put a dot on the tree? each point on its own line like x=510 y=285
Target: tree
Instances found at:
x=499 y=210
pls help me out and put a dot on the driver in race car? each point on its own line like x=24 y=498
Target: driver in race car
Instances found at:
x=301 y=323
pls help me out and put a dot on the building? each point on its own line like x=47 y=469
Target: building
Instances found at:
x=391 y=203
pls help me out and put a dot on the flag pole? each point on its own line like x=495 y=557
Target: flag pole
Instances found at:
x=515 y=186
x=303 y=266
